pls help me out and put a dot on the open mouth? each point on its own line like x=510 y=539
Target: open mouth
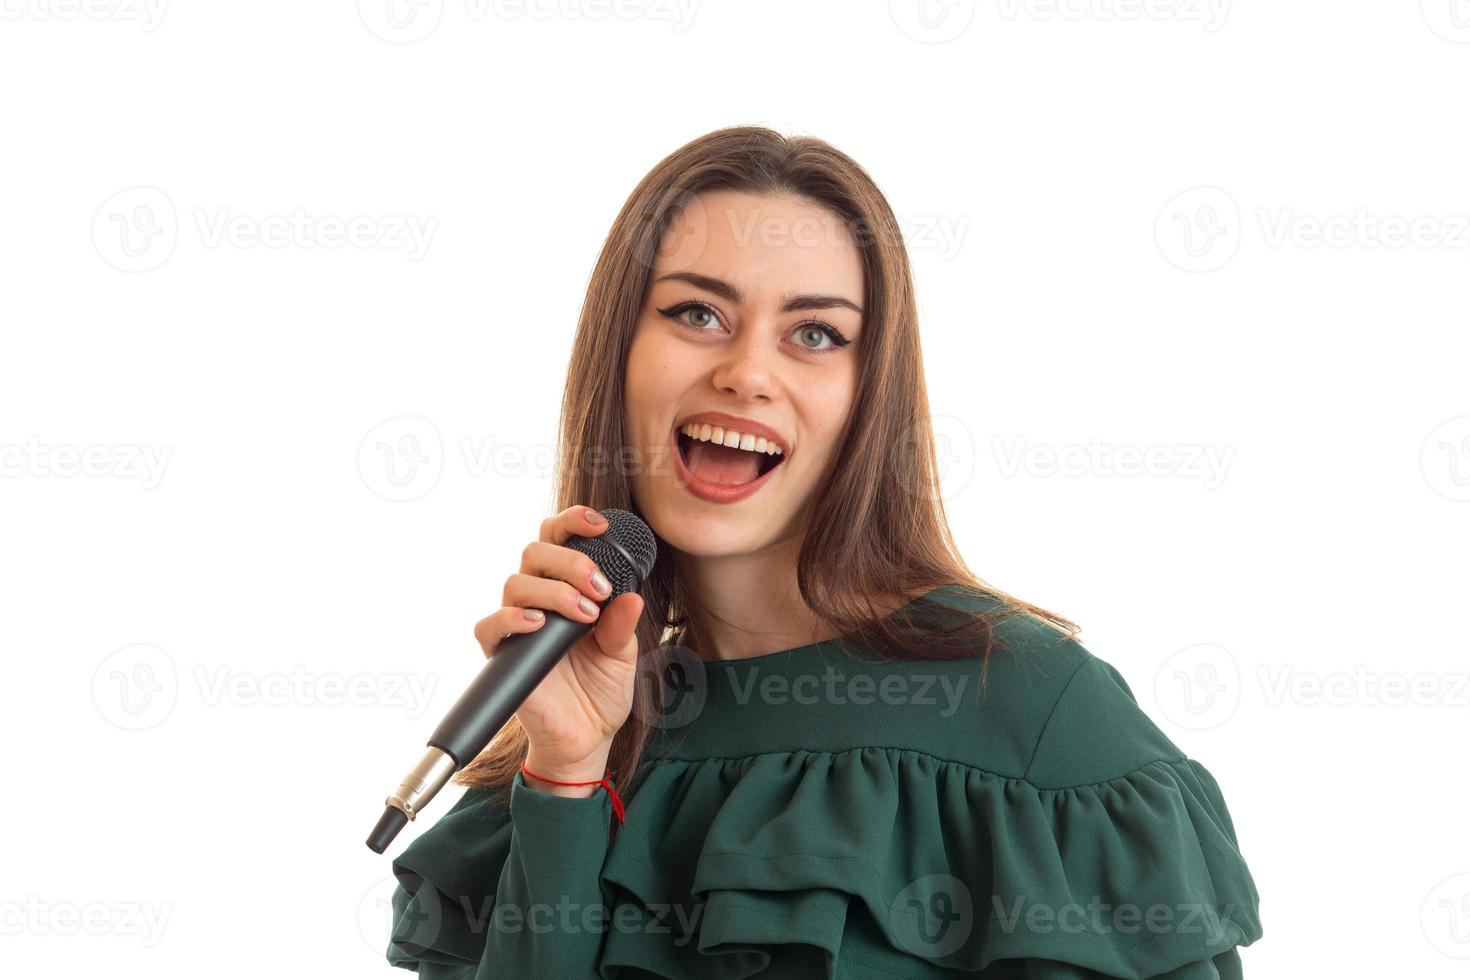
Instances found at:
x=725 y=465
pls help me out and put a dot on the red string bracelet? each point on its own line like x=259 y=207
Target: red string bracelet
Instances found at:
x=617 y=801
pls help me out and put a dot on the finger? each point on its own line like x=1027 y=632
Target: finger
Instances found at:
x=503 y=622
x=614 y=632
x=555 y=561
x=536 y=592
x=576 y=519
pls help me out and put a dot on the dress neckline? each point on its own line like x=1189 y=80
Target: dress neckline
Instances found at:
x=826 y=696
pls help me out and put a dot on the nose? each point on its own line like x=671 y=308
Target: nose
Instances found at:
x=746 y=367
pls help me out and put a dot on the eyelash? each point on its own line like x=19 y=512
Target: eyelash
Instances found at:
x=835 y=335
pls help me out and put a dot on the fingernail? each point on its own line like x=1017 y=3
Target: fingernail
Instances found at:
x=594 y=516
x=587 y=605
x=600 y=582
x=534 y=615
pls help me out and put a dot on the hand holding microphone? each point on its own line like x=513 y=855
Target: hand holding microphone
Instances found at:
x=571 y=717
x=568 y=677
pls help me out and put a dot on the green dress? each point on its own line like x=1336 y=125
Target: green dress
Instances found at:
x=813 y=813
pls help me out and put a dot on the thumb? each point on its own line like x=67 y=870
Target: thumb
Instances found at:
x=613 y=633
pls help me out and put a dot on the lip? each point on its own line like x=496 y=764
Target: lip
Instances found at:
x=749 y=426
x=716 y=493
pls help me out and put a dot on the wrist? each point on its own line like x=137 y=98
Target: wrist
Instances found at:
x=587 y=771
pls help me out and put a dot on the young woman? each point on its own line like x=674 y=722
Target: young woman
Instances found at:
x=828 y=750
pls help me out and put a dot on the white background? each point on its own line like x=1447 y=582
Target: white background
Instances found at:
x=1231 y=238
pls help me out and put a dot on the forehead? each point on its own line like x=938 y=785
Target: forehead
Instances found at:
x=767 y=245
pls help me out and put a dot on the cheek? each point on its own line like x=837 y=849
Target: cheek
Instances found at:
x=654 y=380
x=642 y=369
x=824 y=403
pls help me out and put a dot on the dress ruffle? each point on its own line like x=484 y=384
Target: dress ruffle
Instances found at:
x=728 y=867
x=447 y=878
x=954 y=868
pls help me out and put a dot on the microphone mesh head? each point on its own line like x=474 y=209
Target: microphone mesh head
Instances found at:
x=635 y=538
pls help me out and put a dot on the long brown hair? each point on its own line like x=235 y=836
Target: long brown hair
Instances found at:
x=879 y=507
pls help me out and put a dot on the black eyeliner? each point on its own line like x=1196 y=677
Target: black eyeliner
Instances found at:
x=835 y=335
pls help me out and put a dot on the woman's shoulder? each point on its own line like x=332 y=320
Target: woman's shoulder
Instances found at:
x=1081 y=717
x=1045 y=708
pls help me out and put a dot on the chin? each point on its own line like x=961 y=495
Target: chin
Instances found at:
x=699 y=530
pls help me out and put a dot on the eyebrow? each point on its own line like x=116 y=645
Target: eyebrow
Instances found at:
x=805 y=301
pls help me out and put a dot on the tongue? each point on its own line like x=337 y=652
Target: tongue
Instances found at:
x=723 y=464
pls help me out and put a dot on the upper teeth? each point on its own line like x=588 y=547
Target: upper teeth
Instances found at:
x=729 y=437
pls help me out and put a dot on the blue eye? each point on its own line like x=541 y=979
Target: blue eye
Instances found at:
x=811 y=330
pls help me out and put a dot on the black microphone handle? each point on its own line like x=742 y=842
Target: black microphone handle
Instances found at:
x=626 y=553
x=519 y=664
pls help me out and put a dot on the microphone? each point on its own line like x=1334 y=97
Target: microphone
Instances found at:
x=625 y=552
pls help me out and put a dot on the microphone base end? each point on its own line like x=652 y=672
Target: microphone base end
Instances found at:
x=389 y=824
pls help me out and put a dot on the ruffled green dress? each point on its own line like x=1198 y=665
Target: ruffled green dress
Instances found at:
x=814 y=813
